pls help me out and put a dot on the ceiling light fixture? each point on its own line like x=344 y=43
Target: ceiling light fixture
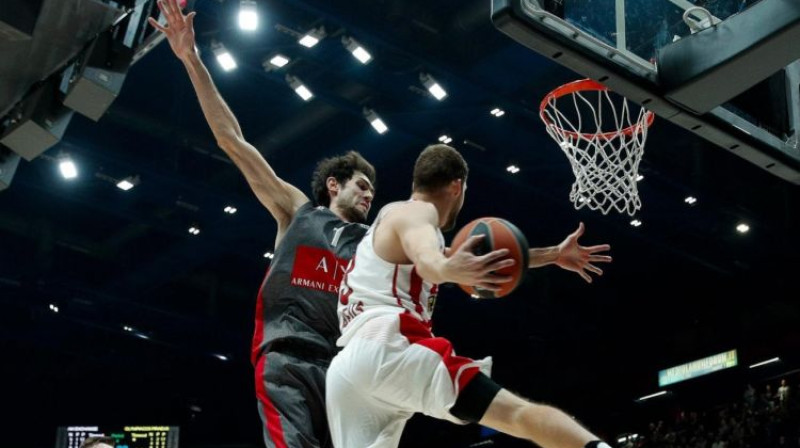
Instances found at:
x=657 y=394
x=433 y=87
x=763 y=363
x=248 y=15
x=224 y=58
x=67 y=167
x=312 y=37
x=358 y=51
x=375 y=121
x=299 y=88
x=128 y=183
x=276 y=61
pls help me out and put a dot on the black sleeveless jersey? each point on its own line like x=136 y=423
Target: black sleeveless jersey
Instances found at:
x=296 y=309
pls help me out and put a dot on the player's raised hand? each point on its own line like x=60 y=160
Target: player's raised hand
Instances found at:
x=179 y=28
x=580 y=259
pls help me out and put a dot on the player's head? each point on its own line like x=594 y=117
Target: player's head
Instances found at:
x=440 y=170
x=346 y=184
x=98 y=442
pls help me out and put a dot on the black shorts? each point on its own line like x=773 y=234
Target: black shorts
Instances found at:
x=291 y=400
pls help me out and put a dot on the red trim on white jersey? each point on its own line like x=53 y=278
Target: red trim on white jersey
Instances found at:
x=394 y=286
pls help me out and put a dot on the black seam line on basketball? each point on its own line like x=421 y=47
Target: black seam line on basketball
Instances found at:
x=523 y=247
x=507 y=229
x=485 y=246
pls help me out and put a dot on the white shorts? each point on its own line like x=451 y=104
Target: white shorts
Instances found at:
x=390 y=369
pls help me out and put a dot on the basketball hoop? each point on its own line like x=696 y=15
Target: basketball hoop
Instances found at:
x=605 y=161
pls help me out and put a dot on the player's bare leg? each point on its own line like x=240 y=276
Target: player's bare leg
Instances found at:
x=545 y=425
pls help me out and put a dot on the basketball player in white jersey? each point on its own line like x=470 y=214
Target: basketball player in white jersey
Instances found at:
x=391 y=365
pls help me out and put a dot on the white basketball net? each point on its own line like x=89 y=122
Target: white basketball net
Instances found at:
x=605 y=162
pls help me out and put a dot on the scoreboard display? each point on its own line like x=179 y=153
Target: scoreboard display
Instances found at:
x=124 y=436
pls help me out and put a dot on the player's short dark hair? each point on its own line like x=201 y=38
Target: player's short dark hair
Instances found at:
x=437 y=166
x=91 y=442
x=341 y=168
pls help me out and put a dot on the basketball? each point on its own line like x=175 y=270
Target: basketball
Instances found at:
x=499 y=234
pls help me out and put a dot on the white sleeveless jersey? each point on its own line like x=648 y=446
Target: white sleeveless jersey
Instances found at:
x=372 y=286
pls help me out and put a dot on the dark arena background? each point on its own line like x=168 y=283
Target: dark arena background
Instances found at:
x=130 y=312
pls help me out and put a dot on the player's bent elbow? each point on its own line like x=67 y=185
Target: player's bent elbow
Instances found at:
x=228 y=141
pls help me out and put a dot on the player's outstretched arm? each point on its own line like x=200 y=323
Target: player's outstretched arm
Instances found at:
x=280 y=198
x=571 y=256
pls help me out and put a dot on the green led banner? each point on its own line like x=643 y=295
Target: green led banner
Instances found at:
x=697 y=368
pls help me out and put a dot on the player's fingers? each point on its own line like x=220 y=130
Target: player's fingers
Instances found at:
x=594 y=269
x=600 y=259
x=502 y=264
x=598 y=248
x=489 y=286
x=169 y=10
x=156 y=25
x=580 y=230
x=495 y=255
x=172 y=6
x=494 y=278
x=471 y=242
x=190 y=19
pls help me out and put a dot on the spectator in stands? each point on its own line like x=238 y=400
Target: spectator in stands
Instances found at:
x=767 y=402
x=783 y=394
x=750 y=395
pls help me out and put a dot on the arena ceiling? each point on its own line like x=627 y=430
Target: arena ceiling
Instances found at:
x=683 y=285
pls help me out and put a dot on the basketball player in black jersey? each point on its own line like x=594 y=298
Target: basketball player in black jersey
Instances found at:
x=296 y=322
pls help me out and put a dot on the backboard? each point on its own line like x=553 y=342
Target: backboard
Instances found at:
x=697 y=72
x=637 y=28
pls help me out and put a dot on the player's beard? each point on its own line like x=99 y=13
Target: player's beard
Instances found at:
x=352 y=213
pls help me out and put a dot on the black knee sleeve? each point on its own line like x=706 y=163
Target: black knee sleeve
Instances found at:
x=475 y=398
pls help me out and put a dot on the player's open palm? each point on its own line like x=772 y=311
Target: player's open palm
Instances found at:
x=466 y=268
x=580 y=259
x=179 y=28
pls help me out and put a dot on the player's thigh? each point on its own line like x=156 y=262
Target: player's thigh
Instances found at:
x=356 y=418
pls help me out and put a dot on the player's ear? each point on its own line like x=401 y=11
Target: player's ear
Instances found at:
x=455 y=187
x=332 y=185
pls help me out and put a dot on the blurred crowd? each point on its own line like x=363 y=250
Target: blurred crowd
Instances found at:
x=766 y=419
